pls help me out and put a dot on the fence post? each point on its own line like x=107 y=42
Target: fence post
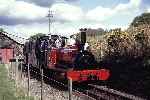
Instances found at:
x=13 y=70
x=41 y=83
x=28 y=79
x=21 y=69
x=70 y=88
x=10 y=70
x=16 y=72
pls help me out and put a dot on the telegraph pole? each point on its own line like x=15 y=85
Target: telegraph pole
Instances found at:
x=50 y=15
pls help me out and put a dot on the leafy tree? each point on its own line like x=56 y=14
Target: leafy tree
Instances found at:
x=1 y=29
x=34 y=37
x=142 y=19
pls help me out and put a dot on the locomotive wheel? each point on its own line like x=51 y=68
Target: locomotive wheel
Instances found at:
x=84 y=60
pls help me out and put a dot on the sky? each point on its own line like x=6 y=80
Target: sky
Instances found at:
x=28 y=17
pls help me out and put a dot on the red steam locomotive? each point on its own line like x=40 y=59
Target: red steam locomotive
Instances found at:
x=67 y=61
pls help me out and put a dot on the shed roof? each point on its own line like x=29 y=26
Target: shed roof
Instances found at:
x=7 y=36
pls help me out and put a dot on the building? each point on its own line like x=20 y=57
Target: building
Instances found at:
x=9 y=48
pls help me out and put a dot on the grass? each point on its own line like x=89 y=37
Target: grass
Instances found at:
x=8 y=91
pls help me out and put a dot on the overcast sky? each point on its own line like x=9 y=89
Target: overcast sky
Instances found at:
x=27 y=17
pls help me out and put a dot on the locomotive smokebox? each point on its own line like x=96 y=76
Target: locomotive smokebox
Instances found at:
x=83 y=36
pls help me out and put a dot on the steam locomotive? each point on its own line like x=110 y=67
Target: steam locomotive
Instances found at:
x=67 y=61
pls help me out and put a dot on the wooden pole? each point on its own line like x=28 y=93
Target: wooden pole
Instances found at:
x=21 y=69
x=11 y=70
x=13 y=65
x=41 y=83
x=28 y=80
x=70 y=88
x=16 y=72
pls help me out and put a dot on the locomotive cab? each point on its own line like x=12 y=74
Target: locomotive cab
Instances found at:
x=74 y=55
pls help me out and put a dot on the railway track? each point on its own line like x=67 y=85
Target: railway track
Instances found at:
x=35 y=74
x=105 y=93
x=91 y=91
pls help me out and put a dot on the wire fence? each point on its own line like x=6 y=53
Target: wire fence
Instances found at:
x=33 y=84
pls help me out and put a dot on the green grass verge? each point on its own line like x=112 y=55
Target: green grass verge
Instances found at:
x=8 y=91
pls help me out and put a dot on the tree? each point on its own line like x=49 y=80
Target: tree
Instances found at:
x=34 y=37
x=140 y=20
x=1 y=29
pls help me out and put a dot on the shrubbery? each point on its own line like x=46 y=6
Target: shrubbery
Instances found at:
x=127 y=54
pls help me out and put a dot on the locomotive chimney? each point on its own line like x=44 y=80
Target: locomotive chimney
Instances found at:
x=83 y=36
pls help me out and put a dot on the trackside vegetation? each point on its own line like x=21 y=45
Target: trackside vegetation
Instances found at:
x=8 y=90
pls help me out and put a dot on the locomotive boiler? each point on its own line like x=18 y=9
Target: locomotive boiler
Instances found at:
x=67 y=61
